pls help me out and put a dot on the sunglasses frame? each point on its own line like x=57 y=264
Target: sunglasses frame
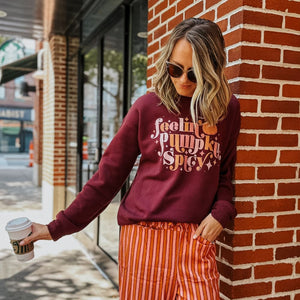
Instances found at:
x=168 y=63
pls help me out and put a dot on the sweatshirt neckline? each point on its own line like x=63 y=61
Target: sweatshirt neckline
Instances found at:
x=184 y=103
x=184 y=98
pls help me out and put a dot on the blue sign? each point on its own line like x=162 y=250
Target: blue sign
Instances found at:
x=14 y=113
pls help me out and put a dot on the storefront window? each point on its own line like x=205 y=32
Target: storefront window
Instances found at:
x=90 y=121
x=15 y=136
x=112 y=115
x=97 y=15
x=90 y=114
x=10 y=136
x=139 y=49
x=138 y=59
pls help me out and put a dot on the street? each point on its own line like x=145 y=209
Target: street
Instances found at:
x=18 y=160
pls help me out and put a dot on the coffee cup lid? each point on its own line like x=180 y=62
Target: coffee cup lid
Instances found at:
x=18 y=224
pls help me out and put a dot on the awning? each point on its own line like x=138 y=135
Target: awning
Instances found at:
x=18 y=68
x=11 y=130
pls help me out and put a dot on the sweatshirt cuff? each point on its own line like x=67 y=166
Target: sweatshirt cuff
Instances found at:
x=224 y=214
x=61 y=226
x=54 y=232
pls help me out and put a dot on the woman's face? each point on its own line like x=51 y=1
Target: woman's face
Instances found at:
x=182 y=56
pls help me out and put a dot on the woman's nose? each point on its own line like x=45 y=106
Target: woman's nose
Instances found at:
x=183 y=77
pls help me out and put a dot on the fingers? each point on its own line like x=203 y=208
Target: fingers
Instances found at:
x=31 y=238
x=27 y=241
x=198 y=231
x=202 y=228
x=209 y=229
x=39 y=232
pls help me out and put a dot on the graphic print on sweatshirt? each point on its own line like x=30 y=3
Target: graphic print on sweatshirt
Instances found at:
x=186 y=146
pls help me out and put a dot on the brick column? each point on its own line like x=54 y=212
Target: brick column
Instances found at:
x=54 y=124
x=72 y=118
x=38 y=133
x=258 y=255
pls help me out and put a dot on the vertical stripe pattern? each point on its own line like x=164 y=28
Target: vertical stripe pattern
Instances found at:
x=162 y=261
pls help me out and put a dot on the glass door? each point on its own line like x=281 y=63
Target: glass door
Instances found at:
x=90 y=136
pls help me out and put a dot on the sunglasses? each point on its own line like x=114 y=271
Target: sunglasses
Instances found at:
x=176 y=72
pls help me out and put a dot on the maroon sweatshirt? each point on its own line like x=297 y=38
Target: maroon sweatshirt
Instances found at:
x=185 y=169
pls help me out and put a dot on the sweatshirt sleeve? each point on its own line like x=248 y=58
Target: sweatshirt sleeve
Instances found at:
x=223 y=209
x=114 y=167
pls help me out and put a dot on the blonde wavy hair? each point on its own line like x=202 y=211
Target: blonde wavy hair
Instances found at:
x=212 y=94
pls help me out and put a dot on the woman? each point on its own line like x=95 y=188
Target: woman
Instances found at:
x=181 y=198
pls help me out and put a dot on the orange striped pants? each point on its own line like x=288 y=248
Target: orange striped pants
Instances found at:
x=162 y=261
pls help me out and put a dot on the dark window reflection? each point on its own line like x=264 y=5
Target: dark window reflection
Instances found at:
x=90 y=120
x=139 y=49
x=113 y=72
x=113 y=77
x=139 y=58
x=97 y=15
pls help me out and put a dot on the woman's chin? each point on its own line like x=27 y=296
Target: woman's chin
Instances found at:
x=186 y=94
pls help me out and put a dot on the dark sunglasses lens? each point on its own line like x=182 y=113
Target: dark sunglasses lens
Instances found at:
x=191 y=76
x=174 y=71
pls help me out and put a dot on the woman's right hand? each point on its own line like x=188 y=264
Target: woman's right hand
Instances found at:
x=39 y=232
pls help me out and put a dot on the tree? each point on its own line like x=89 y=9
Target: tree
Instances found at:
x=114 y=72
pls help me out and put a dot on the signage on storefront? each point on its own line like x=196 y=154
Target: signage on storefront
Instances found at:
x=10 y=51
x=21 y=114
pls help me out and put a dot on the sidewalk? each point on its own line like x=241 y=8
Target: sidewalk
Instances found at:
x=60 y=270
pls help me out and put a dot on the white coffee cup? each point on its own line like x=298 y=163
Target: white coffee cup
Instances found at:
x=18 y=229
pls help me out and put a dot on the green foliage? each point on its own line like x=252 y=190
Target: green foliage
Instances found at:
x=139 y=71
x=114 y=60
x=91 y=63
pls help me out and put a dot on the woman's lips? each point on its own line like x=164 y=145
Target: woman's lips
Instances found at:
x=185 y=86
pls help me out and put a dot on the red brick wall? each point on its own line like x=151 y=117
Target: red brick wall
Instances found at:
x=55 y=112
x=58 y=50
x=259 y=255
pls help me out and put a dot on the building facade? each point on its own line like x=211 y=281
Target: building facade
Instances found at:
x=16 y=104
x=105 y=60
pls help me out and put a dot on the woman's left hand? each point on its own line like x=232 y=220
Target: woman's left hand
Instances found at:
x=209 y=229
